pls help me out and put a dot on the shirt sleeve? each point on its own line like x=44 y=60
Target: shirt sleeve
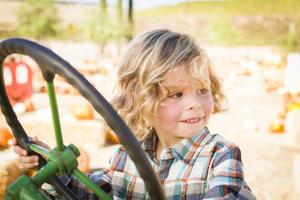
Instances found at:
x=226 y=176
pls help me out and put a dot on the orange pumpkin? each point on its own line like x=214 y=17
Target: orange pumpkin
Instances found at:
x=111 y=137
x=277 y=127
x=43 y=89
x=83 y=161
x=5 y=136
x=29 y=106
x=73 y=91
x=83 y=112
x=9 y=172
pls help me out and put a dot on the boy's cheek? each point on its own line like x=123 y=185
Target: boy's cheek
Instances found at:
x=209 y=105
x=168 y=112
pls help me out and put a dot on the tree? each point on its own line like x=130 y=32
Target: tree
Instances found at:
x=130 y=11
x=103 y=9
x=38 y=19
x=98 y=26
x=102 y=27
x=130 y=28
x=120 y=10
x=121 y=27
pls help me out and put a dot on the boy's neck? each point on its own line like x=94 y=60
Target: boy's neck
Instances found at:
x=165 y=143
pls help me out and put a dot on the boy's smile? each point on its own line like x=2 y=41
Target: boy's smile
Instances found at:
x=186 y=106
x=192 y=120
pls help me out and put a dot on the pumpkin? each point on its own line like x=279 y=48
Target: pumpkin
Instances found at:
x=73 y=91
x=111 y=137
x=83 y=161
x=5 y=136
x=9 y=172
x=29 y=107
x=43 y=89
x=277 y=127
x=83 y=112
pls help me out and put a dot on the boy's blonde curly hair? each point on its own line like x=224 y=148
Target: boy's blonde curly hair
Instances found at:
x=147 y=60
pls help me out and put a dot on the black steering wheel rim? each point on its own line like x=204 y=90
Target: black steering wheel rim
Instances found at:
x=50 y=65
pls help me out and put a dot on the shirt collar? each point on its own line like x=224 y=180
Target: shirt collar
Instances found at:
x=186 y=150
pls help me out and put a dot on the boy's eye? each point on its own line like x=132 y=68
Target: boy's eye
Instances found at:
x=203 y=91
x=176 y=95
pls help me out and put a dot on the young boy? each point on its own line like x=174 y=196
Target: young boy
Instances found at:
x=167 y=92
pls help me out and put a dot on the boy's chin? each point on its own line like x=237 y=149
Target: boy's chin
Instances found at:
x=191 y=133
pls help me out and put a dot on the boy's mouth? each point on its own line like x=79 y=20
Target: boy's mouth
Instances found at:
x=192 y=120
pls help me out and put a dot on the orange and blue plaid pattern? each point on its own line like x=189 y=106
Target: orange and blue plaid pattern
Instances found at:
x=205 y=166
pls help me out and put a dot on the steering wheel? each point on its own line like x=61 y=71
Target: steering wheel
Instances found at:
x=62 y=159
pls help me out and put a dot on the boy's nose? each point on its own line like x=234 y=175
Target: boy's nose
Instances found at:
x=194 y=107
x=194 y=103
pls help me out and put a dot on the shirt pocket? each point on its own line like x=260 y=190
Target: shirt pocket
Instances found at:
x=185 y=189
x=127 y=186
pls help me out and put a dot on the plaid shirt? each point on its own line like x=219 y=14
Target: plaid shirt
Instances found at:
x=205 y=166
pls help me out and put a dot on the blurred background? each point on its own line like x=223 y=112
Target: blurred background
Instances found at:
x=254 y=46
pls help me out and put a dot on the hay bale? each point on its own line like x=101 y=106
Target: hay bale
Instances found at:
x=8 y=174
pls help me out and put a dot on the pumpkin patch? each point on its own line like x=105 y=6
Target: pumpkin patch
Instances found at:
x=5 y=136
x=83 y=112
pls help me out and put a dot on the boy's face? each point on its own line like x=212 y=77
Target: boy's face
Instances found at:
x=186 y=107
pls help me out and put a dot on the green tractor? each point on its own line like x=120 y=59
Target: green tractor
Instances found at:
x=62 y=160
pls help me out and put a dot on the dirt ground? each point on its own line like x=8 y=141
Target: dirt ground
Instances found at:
x=269 y=162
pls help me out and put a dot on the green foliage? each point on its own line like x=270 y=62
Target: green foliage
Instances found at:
x=37 y=19
x=231 y=7
x=221 y=31
x=237 y=22
x=292 y=41
x=120 y=9
x=102 y=28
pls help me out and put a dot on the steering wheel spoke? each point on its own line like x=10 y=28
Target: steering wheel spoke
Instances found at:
x=55 y=116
